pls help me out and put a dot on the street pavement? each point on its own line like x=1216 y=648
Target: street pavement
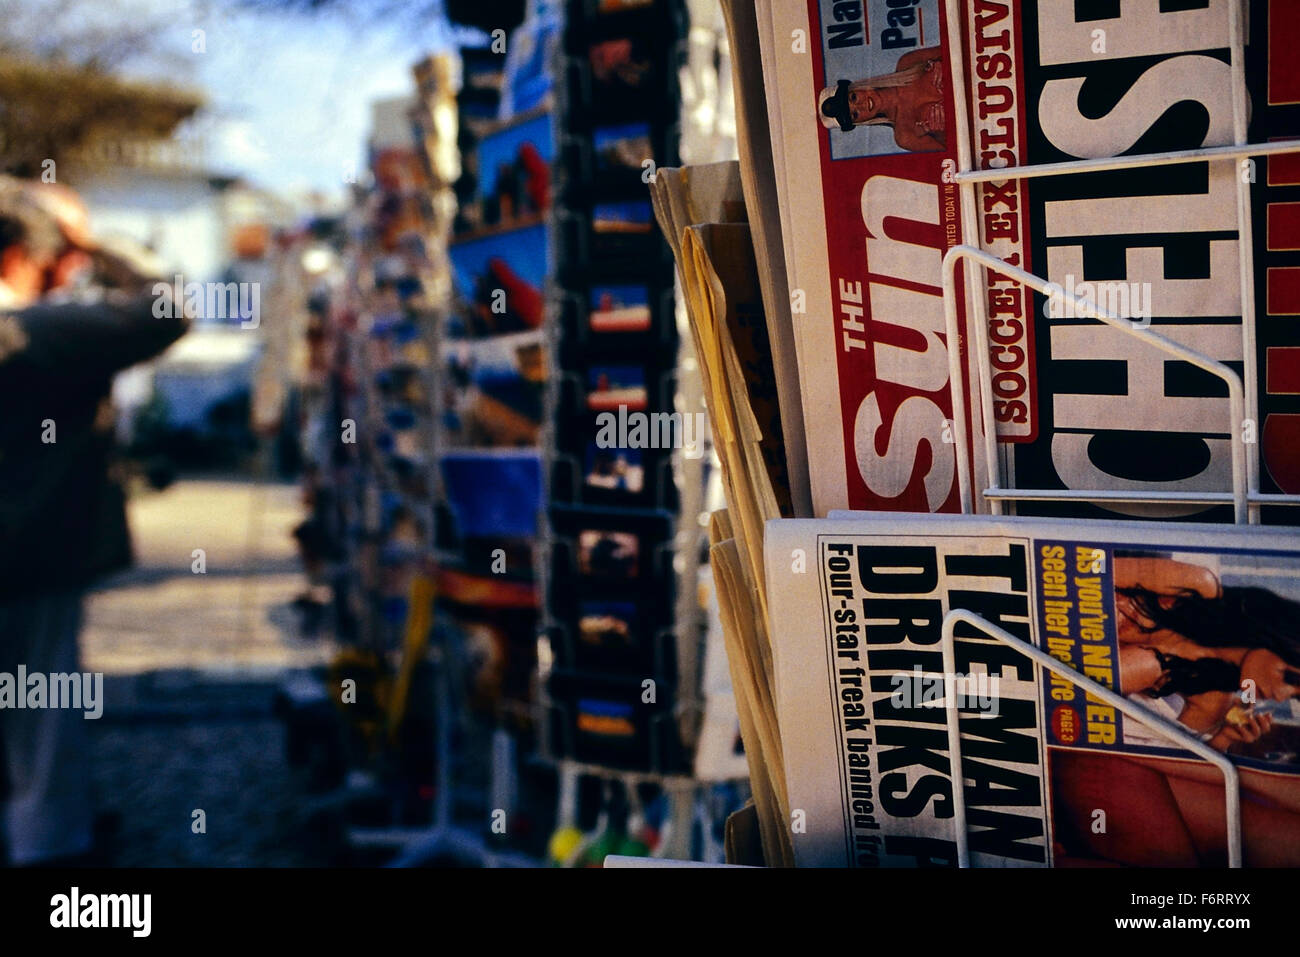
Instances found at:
x=234 y=618
x=191 y=662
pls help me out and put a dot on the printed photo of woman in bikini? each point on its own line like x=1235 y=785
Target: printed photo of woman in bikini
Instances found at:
x=1221 y=658
x=1218 y=660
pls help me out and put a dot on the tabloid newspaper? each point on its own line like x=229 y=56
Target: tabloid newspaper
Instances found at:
x=864 y=119
x=1198 y=624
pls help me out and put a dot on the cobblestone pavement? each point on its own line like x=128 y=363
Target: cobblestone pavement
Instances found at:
x=191 y=663
x=153 y=775
x=235 y=618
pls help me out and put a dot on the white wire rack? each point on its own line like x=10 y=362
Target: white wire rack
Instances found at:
x=1244 y=496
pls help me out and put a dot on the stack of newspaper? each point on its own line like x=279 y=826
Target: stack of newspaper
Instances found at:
x=701 y=211
x=1105 y=690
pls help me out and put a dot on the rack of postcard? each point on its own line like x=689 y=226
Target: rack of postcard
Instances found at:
x=634 y=692
x=555 y=613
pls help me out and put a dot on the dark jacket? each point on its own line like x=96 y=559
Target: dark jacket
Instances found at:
x=62 y=518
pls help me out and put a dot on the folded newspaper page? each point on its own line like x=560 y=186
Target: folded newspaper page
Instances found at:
x=867 y=116
x=758 y=177
x=720 y=282
x=1195 y=629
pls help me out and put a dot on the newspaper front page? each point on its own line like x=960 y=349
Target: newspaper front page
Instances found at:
x=1197 y=624
x=869 y=208
x=866 y=125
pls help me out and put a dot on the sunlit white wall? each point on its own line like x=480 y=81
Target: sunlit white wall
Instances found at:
x=178 y=214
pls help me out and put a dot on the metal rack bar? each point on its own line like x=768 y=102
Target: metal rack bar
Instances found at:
x=1153 y=497
x=1245 y=237
x=975 y=305
x=1176 y=733
x=1098 y=164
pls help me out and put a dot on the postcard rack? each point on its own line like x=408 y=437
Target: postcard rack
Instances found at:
x=1245 y=497
x=656 y=501
x=994 y=496
x=575 y=675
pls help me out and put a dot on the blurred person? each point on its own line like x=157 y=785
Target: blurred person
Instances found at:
x=291 y=406
x=62 y=515
x=297 y=304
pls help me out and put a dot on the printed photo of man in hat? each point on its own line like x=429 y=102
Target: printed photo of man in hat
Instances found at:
x=910 y=101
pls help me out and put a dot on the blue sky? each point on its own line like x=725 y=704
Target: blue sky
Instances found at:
x=293 y=94
x=288 y=94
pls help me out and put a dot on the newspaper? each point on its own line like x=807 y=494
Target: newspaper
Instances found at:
x=867 y=121
x=697 y=209
x=758 y=176
x=1195 y=626
x=719 y=752
x=867 y=213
